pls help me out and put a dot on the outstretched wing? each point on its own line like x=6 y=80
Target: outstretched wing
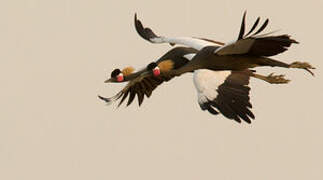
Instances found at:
x=140 y=87
x=224 y=92
x=145 y=32
x=196 y=43
x=256 y=45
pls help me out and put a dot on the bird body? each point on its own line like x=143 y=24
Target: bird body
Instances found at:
x=248 y=51
x=206 y=59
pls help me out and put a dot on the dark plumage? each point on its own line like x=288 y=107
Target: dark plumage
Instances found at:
x=145 y=33
x=233 y=99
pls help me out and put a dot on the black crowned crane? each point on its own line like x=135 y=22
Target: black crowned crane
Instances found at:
x=248 y=51
x=227 y=92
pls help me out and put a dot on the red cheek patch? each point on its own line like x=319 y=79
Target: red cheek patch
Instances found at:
x=119 y=78
x=156 y=72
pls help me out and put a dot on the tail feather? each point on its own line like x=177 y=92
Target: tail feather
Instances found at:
x=271 y=45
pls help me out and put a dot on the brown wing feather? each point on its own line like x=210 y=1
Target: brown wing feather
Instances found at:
x=231 y=104
x=123 y=98
x=139 y=88
x=271 y=45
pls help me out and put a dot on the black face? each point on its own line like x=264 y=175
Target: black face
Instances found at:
x=115 y=73
x=151 y=66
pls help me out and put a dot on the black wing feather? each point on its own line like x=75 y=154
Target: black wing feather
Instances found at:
x=233 y=99
x=253 y=27
x=271 y=45
x=261 y=45
x=123 y=98
x=242 y=28
x=145 y=33
x=132 y=94
x=262 y=27
x=140 y=94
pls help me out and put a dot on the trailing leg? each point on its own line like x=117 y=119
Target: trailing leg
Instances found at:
x=264 y=61
x=302 y=65
x=271 y=78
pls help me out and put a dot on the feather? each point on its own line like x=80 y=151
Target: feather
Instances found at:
x=132 y=96
x=127 y=71
x=145 y=33
x=140 y=94
x=262 y=27
x=242 y=28
x=111 y=99
x=123 y=98
x=211 y=110
x=166 y=65
x=253 y=27
x=148 y=89
x=149 y=35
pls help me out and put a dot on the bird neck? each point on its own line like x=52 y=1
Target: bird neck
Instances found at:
x=132 y=76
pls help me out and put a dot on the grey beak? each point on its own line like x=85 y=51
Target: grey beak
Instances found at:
x=108 y=80
x=146 y=73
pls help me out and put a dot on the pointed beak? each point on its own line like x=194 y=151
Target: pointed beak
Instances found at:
x=108 y=80
x=145 y=73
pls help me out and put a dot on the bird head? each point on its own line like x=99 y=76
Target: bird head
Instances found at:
x=116 y=76
x=153 y=67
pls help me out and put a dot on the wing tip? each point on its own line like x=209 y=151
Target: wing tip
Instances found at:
x=144 y=32
x=242 y=27
x=107 y=100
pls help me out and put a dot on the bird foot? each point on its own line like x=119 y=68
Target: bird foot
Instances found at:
x=302 y=65
x=276 y=79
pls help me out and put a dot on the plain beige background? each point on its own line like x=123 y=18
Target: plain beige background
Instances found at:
x=55 y=55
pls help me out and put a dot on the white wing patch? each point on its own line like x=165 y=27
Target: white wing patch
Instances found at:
x=189 y=56
x=206 y=83
x=197 y=44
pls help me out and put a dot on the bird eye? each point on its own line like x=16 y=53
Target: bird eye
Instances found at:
x=151 y=66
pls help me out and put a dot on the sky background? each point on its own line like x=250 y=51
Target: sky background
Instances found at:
x=55 y=55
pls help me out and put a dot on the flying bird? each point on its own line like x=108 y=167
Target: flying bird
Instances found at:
x=248 y=51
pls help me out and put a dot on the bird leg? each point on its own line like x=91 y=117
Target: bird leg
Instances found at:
x=271 y=78
x=302 y=65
